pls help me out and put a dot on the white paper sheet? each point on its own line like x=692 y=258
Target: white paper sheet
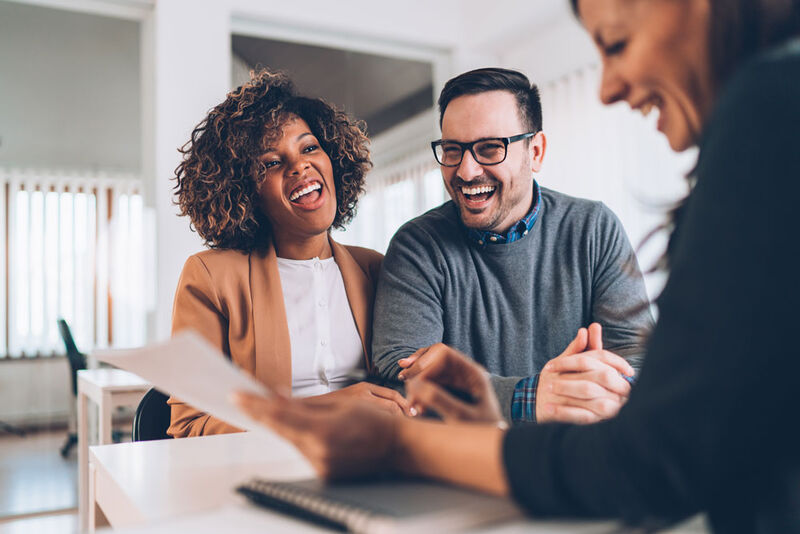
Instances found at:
x=193 y=370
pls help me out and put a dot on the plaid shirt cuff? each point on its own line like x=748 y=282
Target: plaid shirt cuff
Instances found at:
x=523 y=402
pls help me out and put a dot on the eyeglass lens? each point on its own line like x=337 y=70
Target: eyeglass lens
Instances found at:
x=486 y=151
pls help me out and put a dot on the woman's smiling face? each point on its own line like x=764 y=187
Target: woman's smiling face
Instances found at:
x=655 y=54
x=297 y=193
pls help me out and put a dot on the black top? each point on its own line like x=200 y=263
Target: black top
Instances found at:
x=713 y=423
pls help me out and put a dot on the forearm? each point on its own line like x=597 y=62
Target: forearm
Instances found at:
x=464 y=454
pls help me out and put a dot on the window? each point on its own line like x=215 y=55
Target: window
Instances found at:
x=74 y=248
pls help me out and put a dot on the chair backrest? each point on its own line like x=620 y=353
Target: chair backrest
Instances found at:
x=152 y=417
x=77 y=360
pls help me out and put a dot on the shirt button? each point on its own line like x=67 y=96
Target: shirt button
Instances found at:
x=322 y=303
x=322 y=342
x=318 y=266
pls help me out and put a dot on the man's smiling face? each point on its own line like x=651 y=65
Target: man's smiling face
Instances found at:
x=490 y=197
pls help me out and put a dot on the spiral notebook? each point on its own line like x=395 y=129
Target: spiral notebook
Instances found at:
x=381 y=507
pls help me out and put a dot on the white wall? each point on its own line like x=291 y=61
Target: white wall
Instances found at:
x=559 y=48
x=69 y=89
x=35 y=392
x=419 y=23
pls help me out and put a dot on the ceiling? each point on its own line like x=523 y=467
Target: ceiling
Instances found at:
x=382 y=91
x=494 y=27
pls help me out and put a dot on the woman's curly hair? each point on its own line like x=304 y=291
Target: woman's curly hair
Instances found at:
x=219 y=177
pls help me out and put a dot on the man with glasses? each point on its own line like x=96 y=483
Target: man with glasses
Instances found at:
x=508 y=271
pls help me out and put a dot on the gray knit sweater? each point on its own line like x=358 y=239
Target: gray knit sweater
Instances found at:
x=511 y=307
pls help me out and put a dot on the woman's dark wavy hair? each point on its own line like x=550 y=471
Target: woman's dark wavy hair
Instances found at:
x=218 y=179
x=738 y=30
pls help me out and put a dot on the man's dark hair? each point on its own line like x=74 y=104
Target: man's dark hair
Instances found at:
x=496 y=79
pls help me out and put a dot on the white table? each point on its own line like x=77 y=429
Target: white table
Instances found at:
x=138 y=483
x=108 y=389
x=247 y=519
x=186 y=485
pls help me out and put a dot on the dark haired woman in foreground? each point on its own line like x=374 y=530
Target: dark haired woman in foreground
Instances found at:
x=264 y=177
x=713 y=423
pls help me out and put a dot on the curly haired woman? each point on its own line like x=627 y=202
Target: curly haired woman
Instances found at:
x=264 y=177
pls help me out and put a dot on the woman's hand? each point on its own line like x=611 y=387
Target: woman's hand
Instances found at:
x=343 y=438
x=431 y=371
x=386 y=399
x=340 y=436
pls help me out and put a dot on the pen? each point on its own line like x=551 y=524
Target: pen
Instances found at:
x=361 y=375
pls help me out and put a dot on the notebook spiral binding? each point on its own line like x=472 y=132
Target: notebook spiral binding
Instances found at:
x=302 y=503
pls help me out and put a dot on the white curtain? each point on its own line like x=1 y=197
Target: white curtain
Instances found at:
x=73 y=248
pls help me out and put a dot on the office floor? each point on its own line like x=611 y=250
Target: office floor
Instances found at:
x=38 y=488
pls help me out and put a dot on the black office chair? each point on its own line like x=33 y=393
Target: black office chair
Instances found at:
x=77 y=362
x=152 y=417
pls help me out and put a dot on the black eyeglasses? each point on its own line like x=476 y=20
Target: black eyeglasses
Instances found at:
x=487 y=151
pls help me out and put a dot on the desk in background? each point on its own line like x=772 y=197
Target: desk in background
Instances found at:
x=108 y=389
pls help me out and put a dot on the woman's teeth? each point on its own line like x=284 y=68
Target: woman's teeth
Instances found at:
x=648 y=106
x=304 y=191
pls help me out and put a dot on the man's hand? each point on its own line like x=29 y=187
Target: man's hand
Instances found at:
x=583 y=384
x=434 y=372
x=386 y=399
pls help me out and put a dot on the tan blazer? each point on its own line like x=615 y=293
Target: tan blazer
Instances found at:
x=234 y=299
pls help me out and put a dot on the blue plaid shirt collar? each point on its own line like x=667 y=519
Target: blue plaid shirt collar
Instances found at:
x=516 y=232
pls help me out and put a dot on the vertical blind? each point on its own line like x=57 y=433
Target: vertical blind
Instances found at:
x=74 y=248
